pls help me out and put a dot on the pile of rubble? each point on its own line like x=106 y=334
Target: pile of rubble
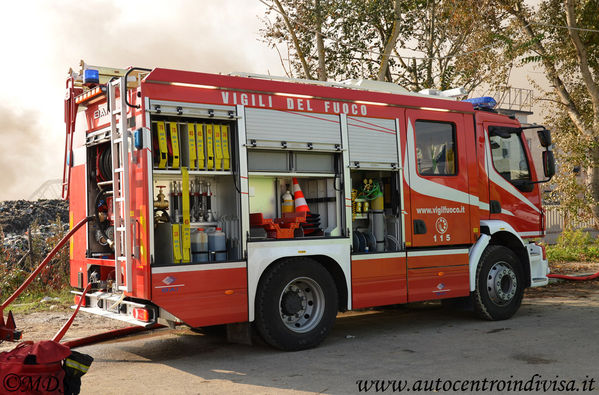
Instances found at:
x=17 y=217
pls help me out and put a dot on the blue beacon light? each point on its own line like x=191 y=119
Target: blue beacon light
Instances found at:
x=91 y=76
x=486 y=102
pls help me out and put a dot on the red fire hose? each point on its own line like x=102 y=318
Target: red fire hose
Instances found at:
x=574 y=278
x=8 y=328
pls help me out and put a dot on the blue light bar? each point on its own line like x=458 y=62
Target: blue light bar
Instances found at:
x=483 y=102
x=91 y=76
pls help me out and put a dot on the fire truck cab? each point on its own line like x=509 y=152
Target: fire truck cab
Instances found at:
x=228 y=199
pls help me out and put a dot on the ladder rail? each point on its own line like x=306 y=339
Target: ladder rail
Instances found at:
x=120 y=178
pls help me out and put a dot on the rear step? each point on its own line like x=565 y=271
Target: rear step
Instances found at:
x=115 y=306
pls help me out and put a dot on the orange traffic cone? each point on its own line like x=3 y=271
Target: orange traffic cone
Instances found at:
x=298 y=196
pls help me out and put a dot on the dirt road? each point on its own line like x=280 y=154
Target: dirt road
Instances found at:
x=549 y=336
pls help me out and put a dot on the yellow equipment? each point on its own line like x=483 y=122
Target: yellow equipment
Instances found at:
x=225 y=144
x=186 y=247
x=175 y=144
x=162 y=145
x=218 y=150
x=191 y=134
x=176 y=243
x=200 y=146
x=209 y=146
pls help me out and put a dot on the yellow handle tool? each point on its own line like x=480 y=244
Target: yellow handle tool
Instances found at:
x=218 y=150
x=162 y=145
x=200 y=146
x=191 y=134
x=209 y=146
x=225 y=143
x=186 y=232
x=176 y=243
x=175 y=144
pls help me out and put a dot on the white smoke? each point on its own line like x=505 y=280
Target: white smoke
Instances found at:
x=43 y=39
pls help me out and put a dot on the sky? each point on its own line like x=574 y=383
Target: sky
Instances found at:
x=43 y=39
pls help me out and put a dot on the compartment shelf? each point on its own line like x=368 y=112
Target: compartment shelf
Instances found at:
x=177 y=172
x=289 y=174
x=200 y=224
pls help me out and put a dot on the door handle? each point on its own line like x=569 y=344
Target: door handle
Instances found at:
x=494 y=207
x=419 y=227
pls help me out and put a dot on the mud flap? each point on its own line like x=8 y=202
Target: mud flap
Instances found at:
x=239 y=333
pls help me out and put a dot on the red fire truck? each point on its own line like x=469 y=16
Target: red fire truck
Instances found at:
x=191 y=180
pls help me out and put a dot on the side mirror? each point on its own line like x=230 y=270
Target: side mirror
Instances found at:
x=544 y=137
x=548 y=164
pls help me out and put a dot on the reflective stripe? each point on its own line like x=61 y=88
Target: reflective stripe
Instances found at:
x=435 y=190
x=194 y=268
x=76 y=365
x=300 y=201
x=535 y=233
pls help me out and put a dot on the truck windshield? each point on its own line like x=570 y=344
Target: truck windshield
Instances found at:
x=509 y=156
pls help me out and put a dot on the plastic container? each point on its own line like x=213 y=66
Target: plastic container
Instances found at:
x=288 y=206
x=217 y=245
x=217 y=240
x=199 y=240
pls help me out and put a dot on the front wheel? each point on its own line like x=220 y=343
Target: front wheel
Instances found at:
x=499 y=284
x=296 y=304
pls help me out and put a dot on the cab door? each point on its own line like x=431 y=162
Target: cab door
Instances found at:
x=437 y=166
x=513 y=197
x=436 y=163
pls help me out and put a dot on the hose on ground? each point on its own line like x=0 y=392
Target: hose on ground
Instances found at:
x=574 y=278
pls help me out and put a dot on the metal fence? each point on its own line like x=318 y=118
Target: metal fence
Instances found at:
x=556 y=219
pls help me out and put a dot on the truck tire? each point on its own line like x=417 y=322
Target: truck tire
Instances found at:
x=499 y=284
x=296 y=304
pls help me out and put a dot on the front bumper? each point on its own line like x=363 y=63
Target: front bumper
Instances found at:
x=539 y=267
x=117 y=307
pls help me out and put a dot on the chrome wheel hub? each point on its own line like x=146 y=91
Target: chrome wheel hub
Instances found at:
x=301 y=305
x=502 y=283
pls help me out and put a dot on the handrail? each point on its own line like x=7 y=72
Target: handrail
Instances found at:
x=127 y=75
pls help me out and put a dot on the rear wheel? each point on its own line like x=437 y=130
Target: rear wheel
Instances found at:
x=296 y=304
x=499 y=284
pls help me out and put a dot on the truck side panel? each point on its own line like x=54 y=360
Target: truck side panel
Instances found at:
x=378 y=280
x=203 y=295
x=77 y=211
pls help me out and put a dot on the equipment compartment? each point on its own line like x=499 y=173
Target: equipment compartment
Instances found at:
x=99 y=201
x=196 y=204
x=304 y=206
x=376 y=211
x=196 y=144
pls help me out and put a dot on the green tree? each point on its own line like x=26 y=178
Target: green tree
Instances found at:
x=562 y=38
x=417 y=44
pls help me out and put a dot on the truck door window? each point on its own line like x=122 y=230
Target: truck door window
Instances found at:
x=509 y=156
x=436 y=148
